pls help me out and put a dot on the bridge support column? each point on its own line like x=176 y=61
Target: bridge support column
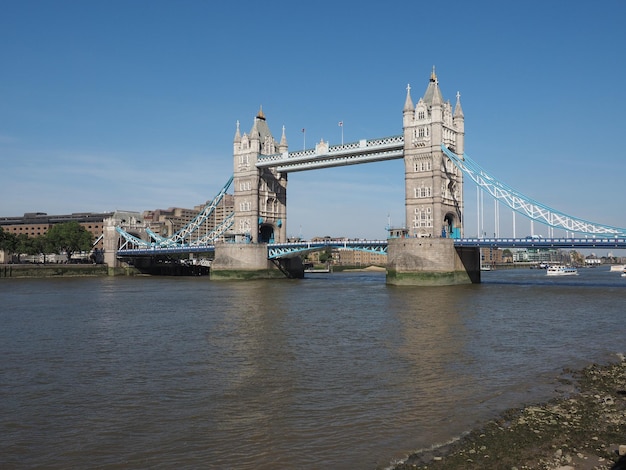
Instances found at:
x=110 y=243
x=241 y=261
x=431 y=262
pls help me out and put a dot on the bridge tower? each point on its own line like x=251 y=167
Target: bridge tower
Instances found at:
x=260 y=193
x=426 y=255
x=433 y=184
x=260 y=199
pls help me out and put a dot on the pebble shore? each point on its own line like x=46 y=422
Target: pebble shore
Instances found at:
x=582 y=429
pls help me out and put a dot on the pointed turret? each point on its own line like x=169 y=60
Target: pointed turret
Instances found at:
x=237 y=134
x=408 y=103
x=237 y=140
x=408 y=112
x=282 y=146
x=458 y=111
x=459 y=123
x=433 y=93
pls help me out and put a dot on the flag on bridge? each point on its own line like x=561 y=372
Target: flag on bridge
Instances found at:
x=340 y=123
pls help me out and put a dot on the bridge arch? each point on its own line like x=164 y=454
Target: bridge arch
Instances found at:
x=266 y=233
x=451 y=226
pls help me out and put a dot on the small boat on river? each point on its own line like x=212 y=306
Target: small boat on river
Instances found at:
x=561 y=270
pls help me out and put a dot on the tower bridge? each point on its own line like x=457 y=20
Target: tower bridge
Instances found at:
x=430 y=249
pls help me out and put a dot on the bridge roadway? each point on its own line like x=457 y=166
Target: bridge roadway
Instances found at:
x=289 y=250
x=325 y=156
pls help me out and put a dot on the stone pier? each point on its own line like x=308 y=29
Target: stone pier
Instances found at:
x=431 y=262
x=242 y=261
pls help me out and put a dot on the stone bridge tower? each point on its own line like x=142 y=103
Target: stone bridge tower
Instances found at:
x=433 y=198
x=434 y=185
x=260 y=194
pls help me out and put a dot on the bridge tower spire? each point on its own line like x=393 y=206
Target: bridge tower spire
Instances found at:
x=260 y=194
x=433 y=184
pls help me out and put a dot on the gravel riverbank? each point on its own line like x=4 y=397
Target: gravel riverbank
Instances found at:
x=582 y=429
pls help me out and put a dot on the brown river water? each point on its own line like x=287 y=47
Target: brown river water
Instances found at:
x=333 y=371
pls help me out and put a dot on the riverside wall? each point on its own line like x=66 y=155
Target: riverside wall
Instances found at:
x=52 y=270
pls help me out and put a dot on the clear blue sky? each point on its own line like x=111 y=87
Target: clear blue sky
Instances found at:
x=132 y=104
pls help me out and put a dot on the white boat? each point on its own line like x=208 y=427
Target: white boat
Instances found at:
x=560 y=270
x=618 y=267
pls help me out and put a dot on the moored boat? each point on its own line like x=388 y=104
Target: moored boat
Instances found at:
x=561 y=270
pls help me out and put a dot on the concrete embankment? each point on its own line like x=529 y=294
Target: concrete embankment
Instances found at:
x=52 y=270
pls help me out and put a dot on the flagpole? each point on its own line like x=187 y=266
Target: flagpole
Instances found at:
x=304 y=138
x=341 y=125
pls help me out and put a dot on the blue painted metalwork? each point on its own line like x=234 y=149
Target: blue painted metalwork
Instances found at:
x=290 y=250
x=159 y=251
x=131 y=239
x=536 y=242
x=324 y=156
x=184 y=236
x=527 y=206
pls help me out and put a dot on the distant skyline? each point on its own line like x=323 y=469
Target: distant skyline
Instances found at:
x=133 y=105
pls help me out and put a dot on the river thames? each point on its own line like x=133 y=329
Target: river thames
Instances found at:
x=333 y=371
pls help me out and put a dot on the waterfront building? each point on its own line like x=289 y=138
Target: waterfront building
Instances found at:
x=346 y=257
x=490 y=256
x=35 y=224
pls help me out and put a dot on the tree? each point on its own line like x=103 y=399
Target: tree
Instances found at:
x=39 y=246
x=8 y=241
x=22 y=245
x=326 y=255
x=69 y=237
x=577 y=258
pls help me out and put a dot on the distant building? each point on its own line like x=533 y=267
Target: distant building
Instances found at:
x=539 y=255
x=347 y=256
x=490 y=256
x=166 y=222
x=35 y=224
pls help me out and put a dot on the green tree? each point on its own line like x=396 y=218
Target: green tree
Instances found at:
x=68 y=238
x=39 y=246
x=577 y=258
x=8 y=241
x=22 y=245
x=326 y=255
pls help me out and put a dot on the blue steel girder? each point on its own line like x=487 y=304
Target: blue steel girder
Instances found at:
x=527 y=206
x=217 y=232
x=545 y=243
x=182 y=238
x=130 y=239
x=183 y=235
x=324 y=156
x=291 y=250
x=160 y=250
